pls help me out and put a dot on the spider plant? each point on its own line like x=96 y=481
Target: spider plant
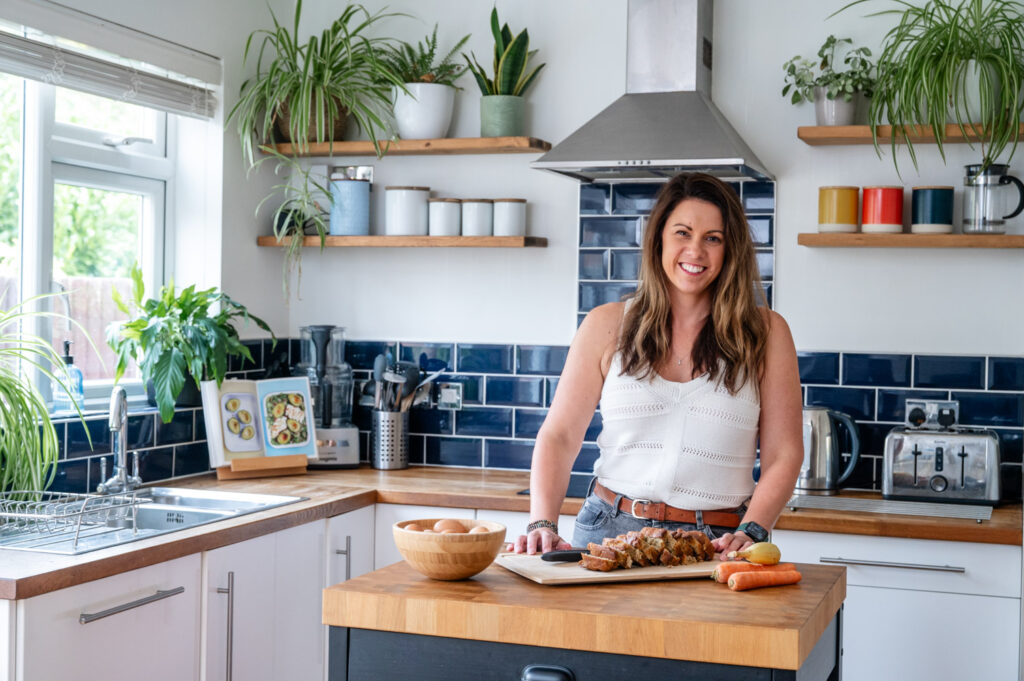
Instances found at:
x=924 y=73
x=309 y=88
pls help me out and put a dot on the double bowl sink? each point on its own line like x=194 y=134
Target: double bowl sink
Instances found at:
x=157 y=511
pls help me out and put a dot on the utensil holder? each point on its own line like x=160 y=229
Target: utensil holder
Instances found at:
x=389 y=440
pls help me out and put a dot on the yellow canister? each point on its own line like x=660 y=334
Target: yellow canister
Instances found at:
x=837 y=209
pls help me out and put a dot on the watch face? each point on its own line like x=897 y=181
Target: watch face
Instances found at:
x=754 y=531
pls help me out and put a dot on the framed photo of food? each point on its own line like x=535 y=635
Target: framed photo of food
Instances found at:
x=238 y=412
x=287 y=416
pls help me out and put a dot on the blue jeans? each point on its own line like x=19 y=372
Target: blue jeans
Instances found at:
x=599 y=519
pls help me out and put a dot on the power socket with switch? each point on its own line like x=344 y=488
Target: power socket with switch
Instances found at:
x=449 y=396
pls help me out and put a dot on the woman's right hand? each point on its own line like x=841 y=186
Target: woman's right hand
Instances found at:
x=540 y=540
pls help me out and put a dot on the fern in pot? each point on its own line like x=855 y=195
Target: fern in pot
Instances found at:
x=835 y=93
x=423 y=108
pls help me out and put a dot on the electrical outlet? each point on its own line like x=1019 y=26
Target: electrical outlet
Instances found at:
x=364 y=398
x=449 y=396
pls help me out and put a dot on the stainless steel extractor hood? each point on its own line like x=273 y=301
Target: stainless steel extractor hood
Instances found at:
x=666 y=121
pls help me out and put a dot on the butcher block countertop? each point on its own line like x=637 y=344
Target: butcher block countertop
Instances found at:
x=696 y=620
x=332 y=492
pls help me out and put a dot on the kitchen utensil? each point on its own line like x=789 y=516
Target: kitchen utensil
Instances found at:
x=389 y=440
x=563 y=555
x=379 y=365
x=395 y=382
x=431 y=364
x=322 y=360
x=820 y=471
x=988 y=198
x=449 y=556
x=535 y=568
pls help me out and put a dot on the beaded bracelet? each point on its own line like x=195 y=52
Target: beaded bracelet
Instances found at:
x=537 y=524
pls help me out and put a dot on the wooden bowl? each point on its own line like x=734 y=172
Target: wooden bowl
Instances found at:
x=449 y=556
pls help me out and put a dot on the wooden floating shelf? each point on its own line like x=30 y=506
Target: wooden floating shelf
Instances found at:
x=835 y=135
x=861 y=240
x=441 y=147
x=413 y=241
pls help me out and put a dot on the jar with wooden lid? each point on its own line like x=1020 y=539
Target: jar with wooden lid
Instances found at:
x=445 y=216
x=405 y=211
x=509 y=217
x=477 y=217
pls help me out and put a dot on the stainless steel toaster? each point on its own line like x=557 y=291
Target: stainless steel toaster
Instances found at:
x=959 y=465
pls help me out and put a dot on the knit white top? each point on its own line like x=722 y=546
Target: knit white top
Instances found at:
x=690 y=445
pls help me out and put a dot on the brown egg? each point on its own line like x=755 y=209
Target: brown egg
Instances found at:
x=450 y=532
x=448 y=524
x=479 y=529
x=429 y=532
x=413 y=527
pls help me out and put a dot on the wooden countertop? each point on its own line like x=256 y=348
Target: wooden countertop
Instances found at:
x=331 y=492
x=695 y=619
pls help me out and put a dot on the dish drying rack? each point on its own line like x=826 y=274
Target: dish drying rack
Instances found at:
x=35 y=519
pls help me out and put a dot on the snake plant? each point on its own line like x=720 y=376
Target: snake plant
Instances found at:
x=511 y=59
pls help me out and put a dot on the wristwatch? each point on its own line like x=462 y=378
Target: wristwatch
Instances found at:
x=754 y=531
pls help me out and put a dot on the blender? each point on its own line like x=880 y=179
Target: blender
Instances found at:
x=322 y=360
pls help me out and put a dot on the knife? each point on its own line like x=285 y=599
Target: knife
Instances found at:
x=564 y=555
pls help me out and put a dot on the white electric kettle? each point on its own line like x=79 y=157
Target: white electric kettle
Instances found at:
x=819 y=473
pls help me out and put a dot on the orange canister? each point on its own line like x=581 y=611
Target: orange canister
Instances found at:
x=883 y=210
x=837 y=209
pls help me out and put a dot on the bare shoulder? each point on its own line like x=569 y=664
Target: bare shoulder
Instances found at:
x=604 y=319
x=778 y=329
x=598 y=335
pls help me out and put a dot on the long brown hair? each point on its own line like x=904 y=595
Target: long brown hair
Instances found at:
x=731 y=345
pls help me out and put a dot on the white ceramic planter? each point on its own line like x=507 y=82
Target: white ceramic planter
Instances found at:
x=424 y=113
x=834 y=111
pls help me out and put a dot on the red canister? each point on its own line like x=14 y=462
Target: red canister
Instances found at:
x=882 y=210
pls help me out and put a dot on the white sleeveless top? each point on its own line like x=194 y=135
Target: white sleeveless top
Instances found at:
x=690 y=445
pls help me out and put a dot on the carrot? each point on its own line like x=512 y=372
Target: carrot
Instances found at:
x=741 y=581
x=726 y=569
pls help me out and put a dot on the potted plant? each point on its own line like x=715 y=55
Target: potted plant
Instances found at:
x=952 y=62
x=303 y=92
x=178 y=338
x=834 y=93
x=423 y=109
x=502 y=106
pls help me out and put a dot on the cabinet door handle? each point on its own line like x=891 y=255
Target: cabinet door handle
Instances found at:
x=230 y=591
x=886 y=564
x=86 y=618
x=347 y=552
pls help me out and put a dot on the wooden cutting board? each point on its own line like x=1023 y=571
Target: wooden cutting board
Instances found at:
x=544 y=572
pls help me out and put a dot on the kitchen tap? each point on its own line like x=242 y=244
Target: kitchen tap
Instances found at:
x=120 y=482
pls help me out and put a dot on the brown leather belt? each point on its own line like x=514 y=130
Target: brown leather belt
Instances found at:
x=650 y=510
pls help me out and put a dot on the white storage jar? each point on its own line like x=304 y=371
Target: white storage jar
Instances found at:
x=405 y=211
x=509 y=217
x=445 y=217
x=477 y=217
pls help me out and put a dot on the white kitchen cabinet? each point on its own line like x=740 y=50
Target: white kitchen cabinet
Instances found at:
x=139 y=624
x=385 y=515
x=267 y=593
x=918 y=608
x=349 y=545
x=515 y=523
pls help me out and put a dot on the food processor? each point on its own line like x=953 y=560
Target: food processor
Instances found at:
x=322 y=360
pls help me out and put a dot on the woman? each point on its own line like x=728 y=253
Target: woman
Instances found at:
x=691 y=374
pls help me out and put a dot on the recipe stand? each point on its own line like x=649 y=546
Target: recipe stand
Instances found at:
x=264 y=467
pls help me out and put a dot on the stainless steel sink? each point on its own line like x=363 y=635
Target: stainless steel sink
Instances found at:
x=75 y=523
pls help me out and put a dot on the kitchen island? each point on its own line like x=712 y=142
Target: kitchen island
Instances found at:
x=394 y=623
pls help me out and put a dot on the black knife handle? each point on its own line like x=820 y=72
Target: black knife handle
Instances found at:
x=563 y=556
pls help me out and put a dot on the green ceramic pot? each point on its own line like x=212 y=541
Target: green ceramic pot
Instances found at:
x=501 y=116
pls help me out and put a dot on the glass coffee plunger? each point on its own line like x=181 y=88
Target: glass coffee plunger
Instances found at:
x=988 y=198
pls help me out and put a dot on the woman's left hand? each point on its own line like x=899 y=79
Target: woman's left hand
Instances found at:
x=730 y=542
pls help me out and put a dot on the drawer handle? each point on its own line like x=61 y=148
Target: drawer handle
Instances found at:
x=546 y=672
x=886 y=564
x=347 y=552
x=86 y=618
x=229 y=653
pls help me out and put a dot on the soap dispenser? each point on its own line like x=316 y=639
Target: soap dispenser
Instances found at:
x=67 y=400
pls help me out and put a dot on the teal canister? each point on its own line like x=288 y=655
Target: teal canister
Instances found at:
x=350 y=201
x=931 y=210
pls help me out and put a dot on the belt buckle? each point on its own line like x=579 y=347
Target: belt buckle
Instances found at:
x=632 y=508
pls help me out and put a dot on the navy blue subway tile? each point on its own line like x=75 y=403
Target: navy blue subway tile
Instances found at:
x=472 y=387
x=200 y=425
x=584 y=462
x=60 y=428
x=484 y=421
x=863 y=474
x=485 y=359
x=761 y=231
x=419 y=353
x=454 y=451
x=768 y=297
x=872 y=438
x=431 y=421
x=634 y=199
x=156 y=464
x=508 y=453
x=594 y=264
x=364 y=447
x=594 y=429
x=875 y=369
x=594 y=199
x=295 y=352
x=859 y=403
x=541 y=359
x=819 y=367
x=178 y=430
x=990 y=409
x=759 y=196
x=241 y=363
x=142 y=431
x=71 y=476
x=579 y=319
x=529 y=421
x=593 y=294
x=277 y=358
x=552 y=384
x=1005 y=373
x=1011 y=445
x=416 y=447
x=766 y=265
x=936 y=371
x=78 y=444
x=1010 y=482
x=892 y=403
x=598 y=232
x=360 y=354
x=362 y=416
x=626 y=265
x=191 y=458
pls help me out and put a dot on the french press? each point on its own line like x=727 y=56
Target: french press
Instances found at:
x=987 y=198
